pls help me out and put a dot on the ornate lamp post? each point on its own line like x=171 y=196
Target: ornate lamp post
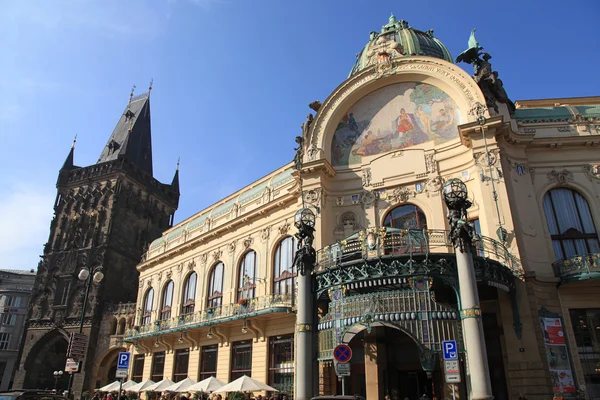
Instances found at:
x=57 y=376
x=462 y=235
x=95 y=275
x=304 y=260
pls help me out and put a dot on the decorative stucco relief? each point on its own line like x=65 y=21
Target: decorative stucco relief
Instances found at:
x=561 y=177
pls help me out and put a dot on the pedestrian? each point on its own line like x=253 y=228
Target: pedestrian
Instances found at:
x=95 y=396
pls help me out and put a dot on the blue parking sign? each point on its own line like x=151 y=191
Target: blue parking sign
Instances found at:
x=449 y=350
x=123 y=360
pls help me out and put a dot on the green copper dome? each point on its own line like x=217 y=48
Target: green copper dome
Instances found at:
x=398 y=39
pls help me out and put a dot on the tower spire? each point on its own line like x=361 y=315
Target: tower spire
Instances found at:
x=175 y=182
x=68 y=164
x=131 y=94
x=150 y=86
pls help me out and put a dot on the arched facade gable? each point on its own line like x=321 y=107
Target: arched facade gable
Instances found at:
x=444 y=75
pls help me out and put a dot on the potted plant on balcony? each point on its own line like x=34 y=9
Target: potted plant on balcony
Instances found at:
x=243 y=302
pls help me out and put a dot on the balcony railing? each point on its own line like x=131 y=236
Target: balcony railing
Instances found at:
x=578 y=268
x=373 y=243
x=215 y=315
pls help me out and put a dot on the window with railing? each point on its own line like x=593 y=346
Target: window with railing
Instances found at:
x=208 y=361
x=158 y=366
x=215 y=289
x=410 y=218
x=4 y=340
x=189 y=294
x=241 y=359
x=406 y=216
x=137 y=372
x=284 y=280
x=182 y=359
x=281 y=363
x=570 y=224
x=247 y=277
x=167 y=301
x=147 y=310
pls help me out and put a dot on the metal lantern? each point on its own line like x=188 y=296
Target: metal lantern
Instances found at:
x=304 y=218
x=454 y=192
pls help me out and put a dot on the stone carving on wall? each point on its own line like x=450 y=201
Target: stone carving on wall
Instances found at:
x=191 y=265
x=430 y=163
x=383 y=52
x=159 y=277
x=231 y=246
x=481 y=158
x=299 y=152
x=347 y=224
x=401 y=194
x=312 y=196
x=141 y=283
x=367 y=198
x=366 y=177
x=217 y=254
x=434 y=185
x=248 y=242
x=313 y=152
x=592 y=171
x=561 y=177
x=284 y=228
x=180 y=268
x=169 y=274
x=265 y=233
x=203 y=258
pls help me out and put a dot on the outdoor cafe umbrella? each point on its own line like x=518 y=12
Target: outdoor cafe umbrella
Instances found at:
x=245 y=384
x=142 y=386
x=207 y=385
x=129 y=384
x=110 y=387
x=181 y=386
x=159 y=386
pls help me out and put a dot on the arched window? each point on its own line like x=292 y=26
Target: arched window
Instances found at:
x=167 y=301
x=284 y=275
x=570 y=223
x=215 y=288
x=121 y=330
x=247 y=276
x=148 y=300
x=189 y=293
x=406 y=216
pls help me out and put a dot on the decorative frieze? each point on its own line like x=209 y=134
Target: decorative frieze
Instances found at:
x=561 y=177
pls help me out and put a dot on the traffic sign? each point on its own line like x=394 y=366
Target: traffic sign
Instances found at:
x=452 y=371
x=450 y=350
x=123 y=360
x=121 y=373
x=342 y=353
x=77 y=346
x=342 y=369
x=71 y=366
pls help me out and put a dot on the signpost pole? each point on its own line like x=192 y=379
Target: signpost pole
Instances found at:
x=121 y=387
x=453 y=394
x=343 y=385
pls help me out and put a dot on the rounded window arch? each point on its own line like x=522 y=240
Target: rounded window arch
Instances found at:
x=284 y=273
x=121 y=330
x=147 y=309
x=167 y=301
x=215 y=286
x=247 y=276
x=570 y=223
x=406 y=216
x=189 y=294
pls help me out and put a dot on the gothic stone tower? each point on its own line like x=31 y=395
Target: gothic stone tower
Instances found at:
x=104 y=215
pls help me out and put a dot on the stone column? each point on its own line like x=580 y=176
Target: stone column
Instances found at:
x=304 y=326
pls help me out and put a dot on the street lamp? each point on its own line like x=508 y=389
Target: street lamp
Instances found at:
x=304 y=260
x=96 y=275
x=57 y=376
x=463 y=235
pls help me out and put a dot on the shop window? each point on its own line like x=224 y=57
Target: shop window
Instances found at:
x=208 y=361
x=137 y=373
x=182 y=359
x=586 y=327
x=158 y=366
x=189 y=294
x=215 y=290
x=241 y=359
x=247 y=277
x=147 y=313
x=284 y=281
x=570 y=224
x=281 y=363
x=167 y=301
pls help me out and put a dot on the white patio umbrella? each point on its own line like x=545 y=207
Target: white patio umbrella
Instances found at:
x=110 y=387
x=207 y=385
x=181 y=386
x=245 y=384
x=128 y=384
x=159 y=386
x=141 y=387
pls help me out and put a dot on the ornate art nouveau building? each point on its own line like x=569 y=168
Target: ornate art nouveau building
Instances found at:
x=217 y=292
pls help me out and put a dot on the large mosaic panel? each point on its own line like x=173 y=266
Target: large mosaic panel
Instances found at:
x=392 y=118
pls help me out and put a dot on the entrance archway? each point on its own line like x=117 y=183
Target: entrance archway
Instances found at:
x=46 y=356
x=388 y=361
x=106 y=369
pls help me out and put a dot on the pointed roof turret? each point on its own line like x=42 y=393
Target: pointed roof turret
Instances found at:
x=132 y=138
x=69 y=161
x=175 y=182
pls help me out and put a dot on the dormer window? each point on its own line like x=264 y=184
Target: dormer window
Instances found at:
x=129 y=115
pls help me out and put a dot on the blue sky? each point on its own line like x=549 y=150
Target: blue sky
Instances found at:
x=232 y=81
